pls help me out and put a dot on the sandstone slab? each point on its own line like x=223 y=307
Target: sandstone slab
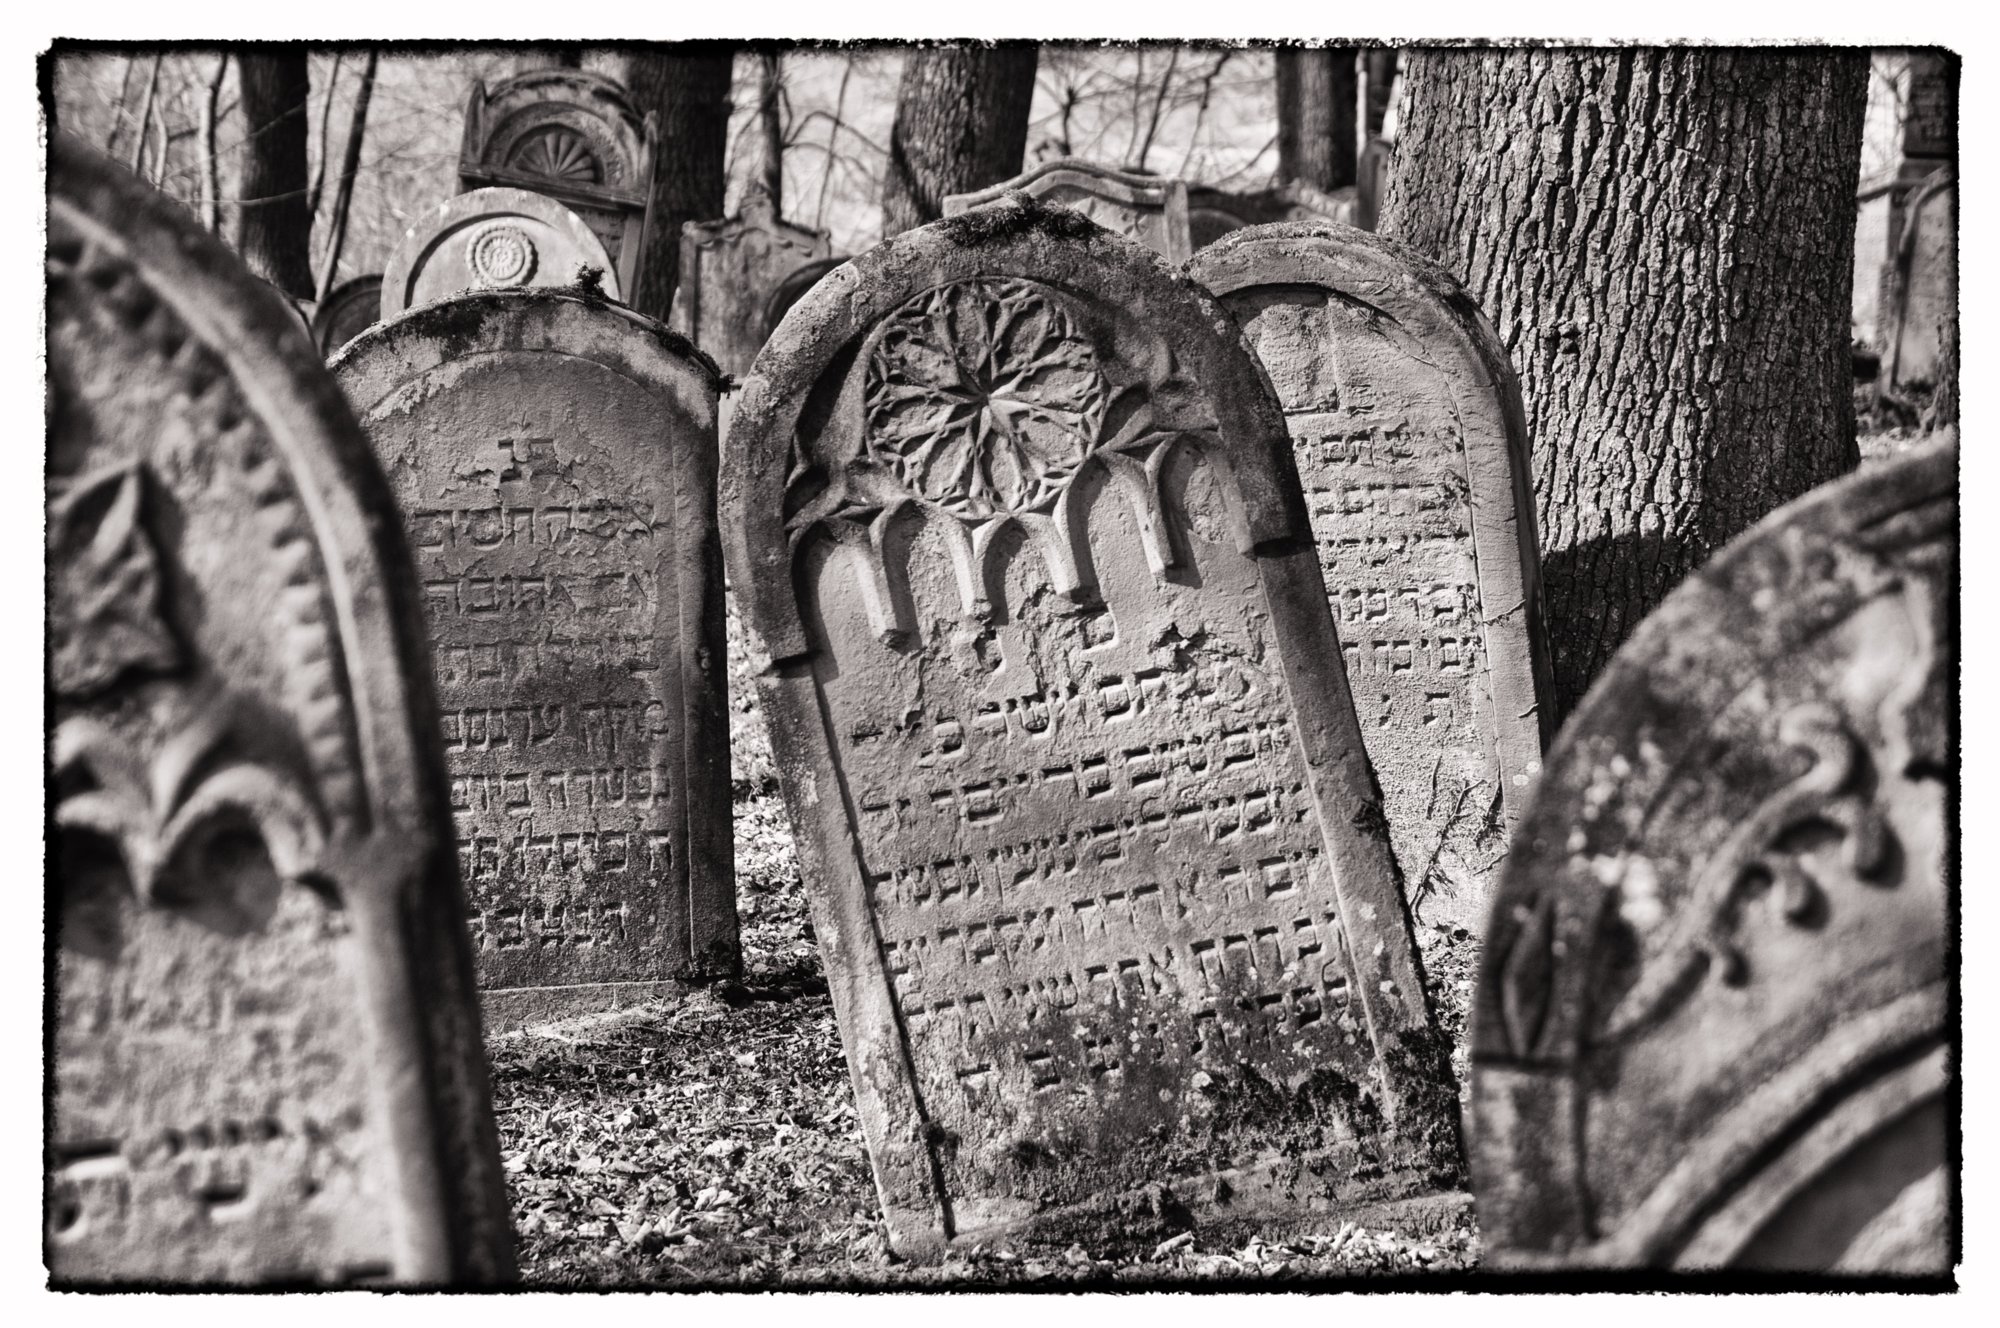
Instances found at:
x=1103 y=890
x=553 y=456
x=266 y=1063
x=1407 y=428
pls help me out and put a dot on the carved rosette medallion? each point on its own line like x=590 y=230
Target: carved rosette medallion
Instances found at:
x=501 y=256
x=985 y=397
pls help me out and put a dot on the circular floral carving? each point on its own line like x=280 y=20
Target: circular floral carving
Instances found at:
x=984 y=396
x=501 y=255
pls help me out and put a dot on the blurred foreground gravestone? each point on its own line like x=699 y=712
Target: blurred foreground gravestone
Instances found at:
x=1149 y=209
x=575 y=136
x=1214 y=213
x=554 y=459
x=348 y=310
x=1712 y=1020
x=730 y=270
x=266 y=1060
x=1105 y=898
x=1407 y=428
x=492 y=239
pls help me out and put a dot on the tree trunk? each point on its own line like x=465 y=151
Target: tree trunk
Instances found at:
x=343 y=190
x=687 y=86
x=771 y=131
x=146 y=114
x=1665 y=240
x=961 y=124
x=273 y=219
x=1316 y=109
x=1381 y=77
x=211 y=190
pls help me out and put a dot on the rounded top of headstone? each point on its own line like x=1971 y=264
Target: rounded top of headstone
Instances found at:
x=1130 y=186
x=1728 y=896
x=568 y=128
x=572 y=321
x=1137 y=305
x=253 y=392
x=496 y=238
x=347 y=310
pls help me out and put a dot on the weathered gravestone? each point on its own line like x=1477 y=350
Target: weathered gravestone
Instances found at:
x=554 y=458
x=348 y=310
x=1712 y=1014
x=576 y=137
x=1101 y=885
x=492 y=239
x=1150 y=209
x=266 y=1061
x=1214 y=213
x=729 y=272
x=793 y=288
x=1407 y=428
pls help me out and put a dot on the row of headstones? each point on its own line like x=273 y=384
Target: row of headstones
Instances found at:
x=1044 y=621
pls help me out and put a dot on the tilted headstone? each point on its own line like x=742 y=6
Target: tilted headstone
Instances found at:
x=348 y=310
x=492 y=239
x=266 y=1059
x=729 y=272
x=554 y=459
x=576 y=137
x=1150 y=209
x=1712 y=1020
x=793 y=288
x=1213 y=213
x=1104 y=896
x=1406 y=424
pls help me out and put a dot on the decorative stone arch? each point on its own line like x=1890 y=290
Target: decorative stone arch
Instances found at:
x=575 y=136
x=1712 y=1023
x=492 y=239
x=995 y=486
x=1149 y=209
x=252 y=830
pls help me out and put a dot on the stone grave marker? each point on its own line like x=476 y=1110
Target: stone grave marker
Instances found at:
x=1712 y=1018
x=348 y=310
x=576 y=137
x=729 y=272
x=1150 y=209
x=265 y=1063
x=1407 y=428
x=1213 y=213
x=554 y=459
x=1103 y=891
x=793 y=287
x=492 y=239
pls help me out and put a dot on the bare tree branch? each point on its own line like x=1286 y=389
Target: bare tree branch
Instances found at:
x=325 y=146
x=146 y=113
x=211 y=212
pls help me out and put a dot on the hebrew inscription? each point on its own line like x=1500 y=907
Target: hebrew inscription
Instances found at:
x=267 y=1066
x=1094 y=923
x=554 y=464
x=1406 y=425
x=1721 y=943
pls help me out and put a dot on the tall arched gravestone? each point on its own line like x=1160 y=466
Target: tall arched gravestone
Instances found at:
x=729 y=272
x=554 y=459
x=1407 y=428
x=348 y=310
x=1101 y=885
x=492 y=239
x=266 y=1061
x=575 y=136
x=1712 y=1019
x=1149 y=209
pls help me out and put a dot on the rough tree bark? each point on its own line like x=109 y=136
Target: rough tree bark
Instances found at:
x=1665 y=240
x=687 y=86
x=273 y=216
x=961 y=124
x=1317 y=103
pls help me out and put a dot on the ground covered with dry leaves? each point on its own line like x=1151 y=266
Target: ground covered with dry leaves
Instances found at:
x=714 y=1142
